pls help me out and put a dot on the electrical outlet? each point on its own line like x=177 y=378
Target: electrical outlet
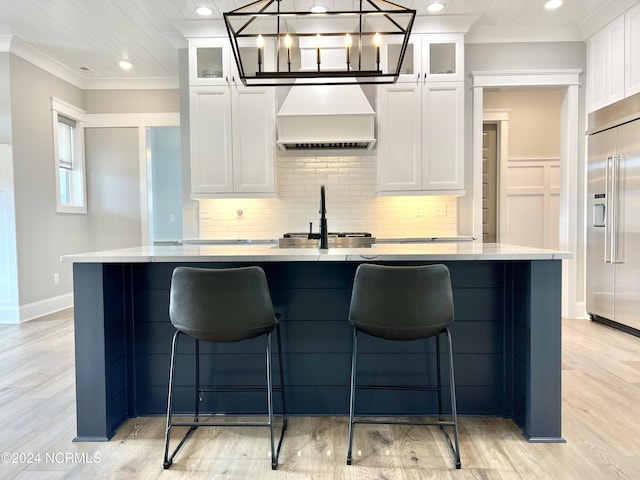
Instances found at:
x=56 y=279
x=440 y=211
x=205 y=214
x=419 y=212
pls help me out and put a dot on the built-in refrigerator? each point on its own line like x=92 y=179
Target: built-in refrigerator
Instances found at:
x=613 y=226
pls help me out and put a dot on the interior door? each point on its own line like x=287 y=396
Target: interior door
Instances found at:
x=489 y=180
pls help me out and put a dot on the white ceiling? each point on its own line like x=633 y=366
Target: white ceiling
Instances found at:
x=98 y=33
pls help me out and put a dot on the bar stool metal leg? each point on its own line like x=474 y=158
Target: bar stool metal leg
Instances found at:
x=274 y=461
x=352 y=396
x=454 y=412
x=168 y=460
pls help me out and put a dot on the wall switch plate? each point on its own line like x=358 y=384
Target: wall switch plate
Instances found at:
x=56 y=279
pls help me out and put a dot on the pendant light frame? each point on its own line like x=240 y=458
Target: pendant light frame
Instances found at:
x=267 y=23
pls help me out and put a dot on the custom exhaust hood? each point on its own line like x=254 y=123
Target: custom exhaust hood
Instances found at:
x=325 y=117
x=319 y=117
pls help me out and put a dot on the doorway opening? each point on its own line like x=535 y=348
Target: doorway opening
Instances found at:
x=568 y=81
x=165 y=185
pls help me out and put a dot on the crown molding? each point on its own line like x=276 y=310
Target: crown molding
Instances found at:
x=20 y=48
x=5 y=43
x=31 y=54
x=605 y=15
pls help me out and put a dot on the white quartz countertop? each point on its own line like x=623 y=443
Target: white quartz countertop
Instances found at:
x=439 y=251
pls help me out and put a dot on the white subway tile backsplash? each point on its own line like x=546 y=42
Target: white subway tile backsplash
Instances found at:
x=352 y=204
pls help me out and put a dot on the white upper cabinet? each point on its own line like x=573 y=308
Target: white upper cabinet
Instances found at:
x=605 y=64
x=209 y=61
x=428 y=57
x=613 y=61
x=632 y=52
x=421 y=121
x=232 y=127
x=443 y=138
x=211 y=140
x=400 y=137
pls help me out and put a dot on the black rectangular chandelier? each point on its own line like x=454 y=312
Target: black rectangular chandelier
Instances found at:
x=274 y=43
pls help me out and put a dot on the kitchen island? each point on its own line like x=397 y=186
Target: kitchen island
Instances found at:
x=506 y=334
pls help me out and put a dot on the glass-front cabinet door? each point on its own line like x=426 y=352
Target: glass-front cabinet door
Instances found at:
x=442 y=57
x=410 y=70
x=428 y=58
x=209 y=61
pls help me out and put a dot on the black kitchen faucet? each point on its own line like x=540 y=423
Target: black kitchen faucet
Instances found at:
x=324 y=240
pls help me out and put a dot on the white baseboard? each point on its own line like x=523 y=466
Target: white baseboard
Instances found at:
x=45 y=307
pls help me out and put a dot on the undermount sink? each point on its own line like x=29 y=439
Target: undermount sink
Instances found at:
x=335 y=240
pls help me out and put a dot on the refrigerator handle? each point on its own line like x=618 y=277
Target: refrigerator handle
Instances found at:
x=608 y=218
x=615 y=202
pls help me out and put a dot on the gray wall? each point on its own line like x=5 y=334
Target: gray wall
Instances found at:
x=131 y=101
x=5 y=99
x=42 y=235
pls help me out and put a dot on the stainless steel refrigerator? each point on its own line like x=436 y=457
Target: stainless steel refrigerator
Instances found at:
x=613 y=224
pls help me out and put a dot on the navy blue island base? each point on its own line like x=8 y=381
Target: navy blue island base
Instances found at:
x=506 y=342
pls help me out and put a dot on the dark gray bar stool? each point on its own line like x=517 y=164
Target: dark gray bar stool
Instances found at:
x=222 y=305
x=404 y=303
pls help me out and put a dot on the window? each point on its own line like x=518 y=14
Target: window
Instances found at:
x=68 y=140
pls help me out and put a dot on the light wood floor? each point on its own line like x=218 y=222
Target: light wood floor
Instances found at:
x=601 y=424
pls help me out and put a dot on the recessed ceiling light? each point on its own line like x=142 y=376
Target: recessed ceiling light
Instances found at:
x=551 y=4
x=435 y=6
x=125 y=65
x=318 y=9
x=204 y=11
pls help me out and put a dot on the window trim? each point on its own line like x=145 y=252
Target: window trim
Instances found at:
x=60 y=108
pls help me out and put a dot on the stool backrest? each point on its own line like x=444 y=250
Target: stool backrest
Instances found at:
x=221 y=305
x=401 y=303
